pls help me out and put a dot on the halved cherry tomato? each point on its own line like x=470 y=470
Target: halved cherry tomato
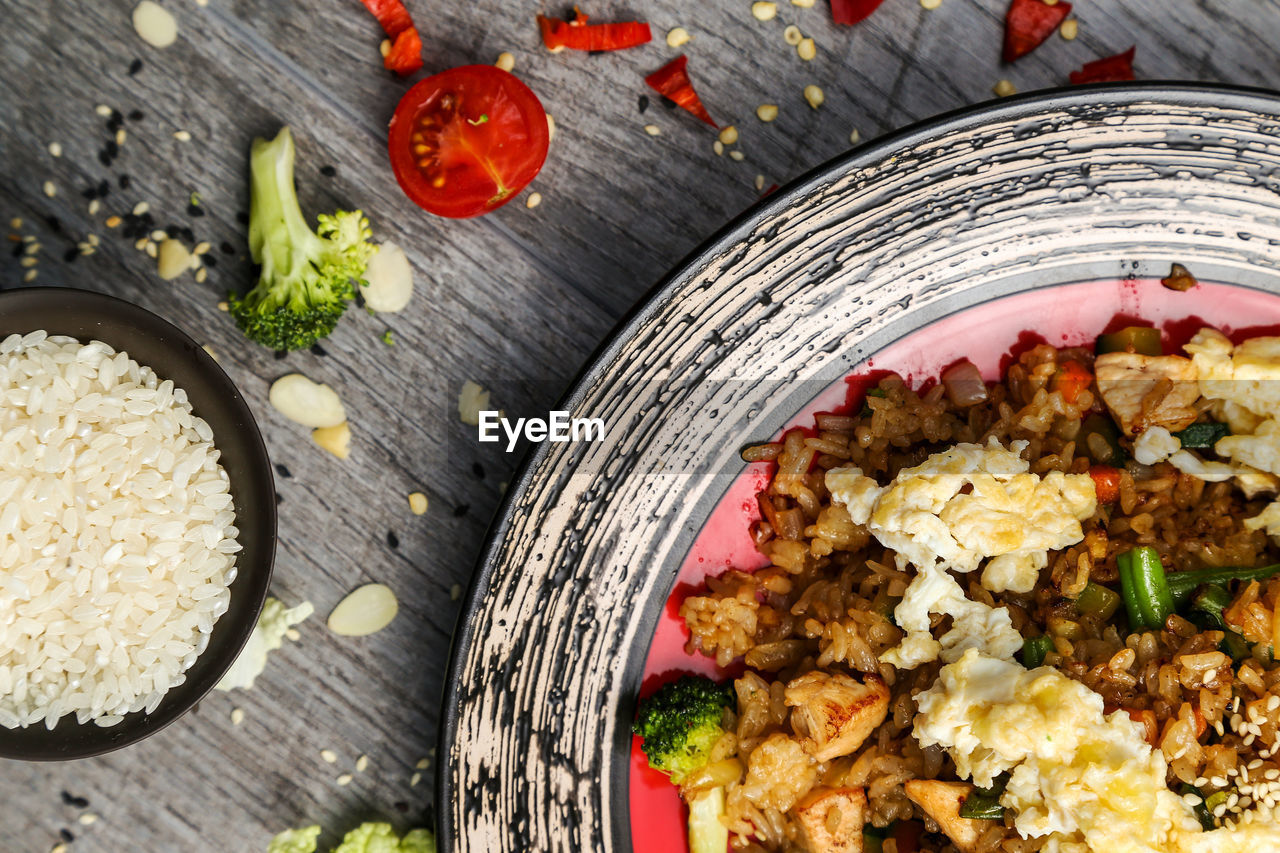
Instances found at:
x=465 y=141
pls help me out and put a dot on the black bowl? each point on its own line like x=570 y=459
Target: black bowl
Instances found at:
x=169 y=351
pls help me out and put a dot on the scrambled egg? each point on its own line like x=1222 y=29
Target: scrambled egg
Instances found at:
x=1087 y=781
x=953 y=510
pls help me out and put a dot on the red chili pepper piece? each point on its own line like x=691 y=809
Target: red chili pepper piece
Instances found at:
x=579 y=35
x=1106 y=482
x=853 y=11
x=405 y=56
x=392 y=14
x=1109 y=69
x=1028 y=23
x=672 y=81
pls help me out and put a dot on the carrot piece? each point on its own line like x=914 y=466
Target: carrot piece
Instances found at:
x=1071 y=378
x=1106 y=481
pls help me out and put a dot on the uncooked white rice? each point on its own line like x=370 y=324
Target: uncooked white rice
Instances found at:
x=117 y=542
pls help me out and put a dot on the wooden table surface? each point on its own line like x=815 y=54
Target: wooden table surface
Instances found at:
x=516 y=301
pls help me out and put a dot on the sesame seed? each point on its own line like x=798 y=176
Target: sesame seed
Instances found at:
x=814 y=95
x=344 y=779
x=87 y=819
x=223 y=306
x=121 y=136
x=792 y=35
x=930 y=4
x=141 y=244
x=55 y=149
x=806 y=49
x=50 y=189
x=533 y=200
x=505 y=61
x=151 y=249
x=652 y=129
x=417 y=503
x=31 y=248
x=362 y=764
x=182 y=135
x=678 y=36
x=759 y=182
x=16 y=223
x=803 y=4
x=384 y=48
x=293 y=634
x=718 y=147
x=30 y=276
x=1070 y=29
x=103 y=110
x=729 y=135
x=93 y=239
x=767 y=112
x=94 y=207
x=29 y=261
x=237 y=716
x=738 y=155
x=202 y=247
x=1273 y=703
x=1209 y=677
x=328 y=755
x=1004 y=88
x=159 y=235
x=455 y=591
x=551 y=127
x=414 y=780
x=58 y=848
x=201 y=275
x=764 y=11
x=854 y=137
x=140 y=208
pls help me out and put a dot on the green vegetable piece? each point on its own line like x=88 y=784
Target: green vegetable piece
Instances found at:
x=1202 y=813
x=306 y=278
x=707 y=833
x=1098 y=600
x=1216 y=799
x=681 y=722
x=984 y=804
x=1236 y=646
x=1108 y=451
x=295 y=841
x=1143 y=340
x=1183 y=584
x=1034 y=650
x=1144 y=588
x=866 y=407
x=1202 y=436
x=872 y=843
x=1209 y=602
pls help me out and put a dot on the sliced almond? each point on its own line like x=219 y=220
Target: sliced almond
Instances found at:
x=172 y=259
x=472 y=400
x=305 y=402
x=365 y=611
x=335 y=439
x=155 y=24
x=388 y=280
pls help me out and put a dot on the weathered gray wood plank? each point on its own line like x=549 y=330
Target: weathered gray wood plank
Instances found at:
x=517 y=299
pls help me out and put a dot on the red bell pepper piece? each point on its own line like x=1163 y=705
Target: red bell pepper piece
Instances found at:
x=579 y=35
x=1111 y=68
x=672 y=81
x=391 y=14
x=1028 y=23
x=405 y=56
x=852 y=11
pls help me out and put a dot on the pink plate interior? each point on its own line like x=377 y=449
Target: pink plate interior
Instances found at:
x=988 y=335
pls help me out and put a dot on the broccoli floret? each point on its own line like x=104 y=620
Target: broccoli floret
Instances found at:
x=681 y=722
x=306 y=278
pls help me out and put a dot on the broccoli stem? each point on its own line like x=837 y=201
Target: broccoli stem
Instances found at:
x=278 y=230
x=707 y=832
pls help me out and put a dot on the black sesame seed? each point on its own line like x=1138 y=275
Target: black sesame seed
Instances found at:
x=18 y=249
x=135 y=67
x=359 y=298
x=111 y=148
x=393 y=540
x=461 y=510
x=209 y=260
x=54 y=223
x=283 y=471
x=227 y=248
x=478 y=470
x=135 y=115
x=89 y=193
x=104 y=157
x=596 y=52
x=65 y=835
x=187 y=234
x=104 y=188
x=242 y=217
x=70 y=255
x=172 y=230
x=74 y=801
x=328 y=171
x=401 y=806
x=115 y=122
x=644 y=103
x=116 y=115
x=280 y=354
x=123 y=181
x=195 y=210
x=148 y=218
x=279 y=499
x=316 y=349
x=668 y=103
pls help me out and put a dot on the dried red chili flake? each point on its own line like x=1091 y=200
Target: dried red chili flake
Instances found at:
x=1028 y=23
x=672 y=82
x=405 y=56
x=853 y=11
x=579 y=35
x=1106 y=70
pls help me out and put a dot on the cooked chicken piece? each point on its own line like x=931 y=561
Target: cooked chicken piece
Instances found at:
x=942 y=801
x=1145 y=391
x=835 y=713
x=832 y=819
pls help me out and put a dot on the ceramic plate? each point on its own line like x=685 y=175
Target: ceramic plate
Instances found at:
x=1047 y=216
